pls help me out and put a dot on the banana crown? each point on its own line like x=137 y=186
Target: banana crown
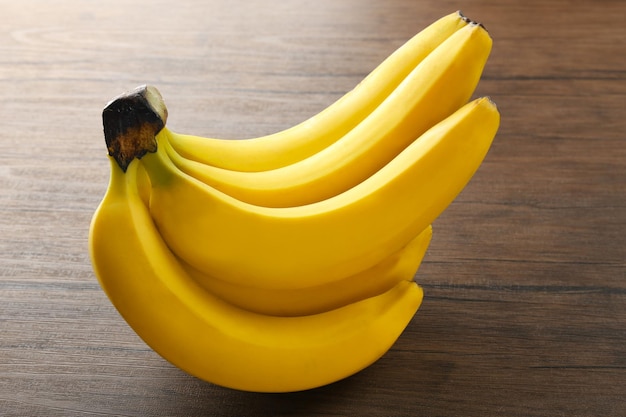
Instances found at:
x=131 y=122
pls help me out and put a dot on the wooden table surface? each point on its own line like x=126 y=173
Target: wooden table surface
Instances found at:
x=525 y=280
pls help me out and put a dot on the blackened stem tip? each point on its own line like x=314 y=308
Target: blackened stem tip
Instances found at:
x=131 y=122
x=470 y=21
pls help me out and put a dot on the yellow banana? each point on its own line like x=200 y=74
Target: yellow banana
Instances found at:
x=401 y=266
x=214 y=340
x=329 y=240
x=439 y=85
x=311 y=136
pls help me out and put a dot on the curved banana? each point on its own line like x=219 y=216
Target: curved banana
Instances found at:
x=311 y=136
x=210 y=338
x=400 y=266
x=439 y=85
x=310 y=245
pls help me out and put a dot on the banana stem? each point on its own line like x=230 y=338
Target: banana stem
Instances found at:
x=131 y=122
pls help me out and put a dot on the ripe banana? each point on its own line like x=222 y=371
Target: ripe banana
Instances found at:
x=439 y=85
x=214 y=340
x=311 y=136
x=309 y=245
x=400 y=266
x=286 y=262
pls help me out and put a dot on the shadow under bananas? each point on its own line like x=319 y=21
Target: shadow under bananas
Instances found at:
x=403 y=375
x=376 y=391
x=334 y=399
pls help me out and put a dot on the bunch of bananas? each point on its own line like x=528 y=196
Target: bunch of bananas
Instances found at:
x=286 y=262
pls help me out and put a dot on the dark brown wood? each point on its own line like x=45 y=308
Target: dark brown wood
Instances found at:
x=525 y=280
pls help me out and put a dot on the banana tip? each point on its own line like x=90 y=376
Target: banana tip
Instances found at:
x=491 y=102
x=470 y=21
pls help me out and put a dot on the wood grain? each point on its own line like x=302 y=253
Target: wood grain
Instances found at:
x=525 y=280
